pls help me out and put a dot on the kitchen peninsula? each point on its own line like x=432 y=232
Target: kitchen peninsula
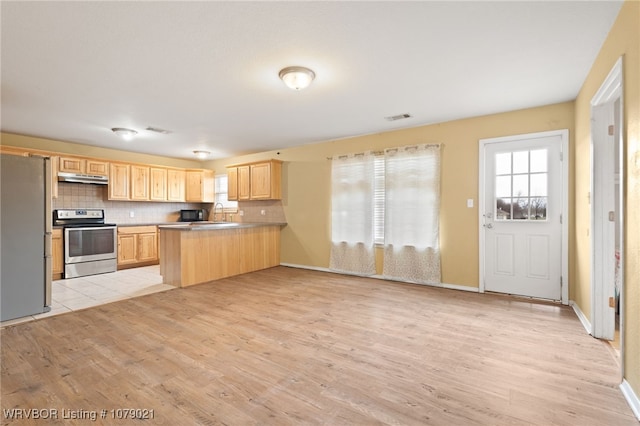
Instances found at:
x=200 y=252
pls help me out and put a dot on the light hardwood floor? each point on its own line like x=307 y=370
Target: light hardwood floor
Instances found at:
x=287 y=346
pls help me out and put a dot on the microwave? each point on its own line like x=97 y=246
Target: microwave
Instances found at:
x=195 y=215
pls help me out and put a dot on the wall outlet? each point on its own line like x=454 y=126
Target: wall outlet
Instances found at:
x=132 y=214
x=470 y=202
x=241 y=212
x=263 y=212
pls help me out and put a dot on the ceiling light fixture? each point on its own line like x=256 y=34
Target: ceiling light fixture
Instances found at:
x=126 y=134
x=297 y=78
x=201 y=154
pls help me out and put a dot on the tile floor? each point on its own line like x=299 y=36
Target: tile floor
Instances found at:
x=84 y=292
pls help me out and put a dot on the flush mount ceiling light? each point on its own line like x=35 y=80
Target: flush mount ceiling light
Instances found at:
x=201 y=154
x=297 y=78
x=126 y=134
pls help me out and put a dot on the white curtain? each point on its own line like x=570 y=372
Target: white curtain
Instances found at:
x=352 y=184
x=412 y=208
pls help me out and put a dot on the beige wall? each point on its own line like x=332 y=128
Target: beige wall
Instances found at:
x=11 y=139
x=307 y=190
x=623 y=39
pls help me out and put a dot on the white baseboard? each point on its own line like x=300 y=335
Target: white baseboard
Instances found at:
x=380 y=277
x=583 y=319
x=631 y=397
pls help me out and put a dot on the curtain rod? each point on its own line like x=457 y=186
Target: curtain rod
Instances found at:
x=390 y=149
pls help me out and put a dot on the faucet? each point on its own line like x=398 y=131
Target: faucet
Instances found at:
x=215 y=206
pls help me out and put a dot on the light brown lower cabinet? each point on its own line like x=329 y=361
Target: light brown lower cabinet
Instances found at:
x=189 y=257
x=137 y=246
x=57 y=254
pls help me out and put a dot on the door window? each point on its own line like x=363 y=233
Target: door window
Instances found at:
x=521 y=189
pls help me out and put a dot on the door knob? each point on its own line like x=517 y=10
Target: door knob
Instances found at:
x=488 y=226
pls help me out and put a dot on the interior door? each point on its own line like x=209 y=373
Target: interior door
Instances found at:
x=522 y=216
x=604 y=214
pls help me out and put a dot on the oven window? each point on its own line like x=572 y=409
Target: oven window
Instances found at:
x=89 y=242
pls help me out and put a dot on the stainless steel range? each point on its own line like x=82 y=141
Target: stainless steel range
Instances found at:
x=90 y=245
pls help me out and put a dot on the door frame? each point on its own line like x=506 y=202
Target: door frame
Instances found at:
x=564 y=157
x=610 y=91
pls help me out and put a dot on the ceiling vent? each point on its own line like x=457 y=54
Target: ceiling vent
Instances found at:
x=157 y=130
x=397 y=117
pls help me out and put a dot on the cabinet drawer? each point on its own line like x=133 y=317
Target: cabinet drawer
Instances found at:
x=136 y=229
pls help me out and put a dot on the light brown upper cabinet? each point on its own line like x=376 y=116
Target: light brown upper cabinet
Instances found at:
x=139 y=183
x=232 y=183
x=119 y=177
x=176 y=185
x=244 y=183
x=255 y=181
x=200 y=186
x=266 y=180
x=83 y=165
x=158 y=184
x=100 y=168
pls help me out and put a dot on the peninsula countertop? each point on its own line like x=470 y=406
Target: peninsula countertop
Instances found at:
x=213 y=226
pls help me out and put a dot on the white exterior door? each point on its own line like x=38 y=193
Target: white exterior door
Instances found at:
x=521 y=215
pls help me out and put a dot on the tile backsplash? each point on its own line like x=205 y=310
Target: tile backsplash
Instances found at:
x=77 y=196
x=273 y=212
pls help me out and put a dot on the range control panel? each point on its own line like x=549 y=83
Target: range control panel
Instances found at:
x=79 y=214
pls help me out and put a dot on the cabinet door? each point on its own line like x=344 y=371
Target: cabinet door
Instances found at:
x=261 y=181
x=194 y=186
x=57 y=256
x=147 y=247
x=118 y=181
x=200 y=186
x=158 y=184
x=232 y=183
x=140 y=183
x=98 y=168
x=127 y=249
x=244 y=183
x=72 y=165
x=175 y=185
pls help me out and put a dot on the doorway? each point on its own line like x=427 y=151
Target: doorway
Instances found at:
x=523 y=203
x=607 y=207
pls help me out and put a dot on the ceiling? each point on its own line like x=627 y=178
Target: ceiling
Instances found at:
x=208 y=71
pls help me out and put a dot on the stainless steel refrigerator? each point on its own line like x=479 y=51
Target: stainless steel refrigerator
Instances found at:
x=25 y=236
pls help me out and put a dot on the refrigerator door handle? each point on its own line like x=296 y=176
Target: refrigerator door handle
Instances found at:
x=48 y=219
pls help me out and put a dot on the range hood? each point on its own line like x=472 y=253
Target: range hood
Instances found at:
x=82 y=178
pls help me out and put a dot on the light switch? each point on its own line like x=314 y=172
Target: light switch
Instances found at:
x=470 y=202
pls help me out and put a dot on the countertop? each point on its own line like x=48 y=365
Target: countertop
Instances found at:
x=196 y=225
x=213 y=226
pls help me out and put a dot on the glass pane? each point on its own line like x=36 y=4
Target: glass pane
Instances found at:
x=538 y=184
x=503 y=186
x=521 y=208
x=521 y=162
x=538 y=208
x=539 y=160
x=503 y=208
x=521 y=185
x=503 y=163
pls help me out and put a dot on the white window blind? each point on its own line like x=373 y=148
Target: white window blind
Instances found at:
x=378 y=198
